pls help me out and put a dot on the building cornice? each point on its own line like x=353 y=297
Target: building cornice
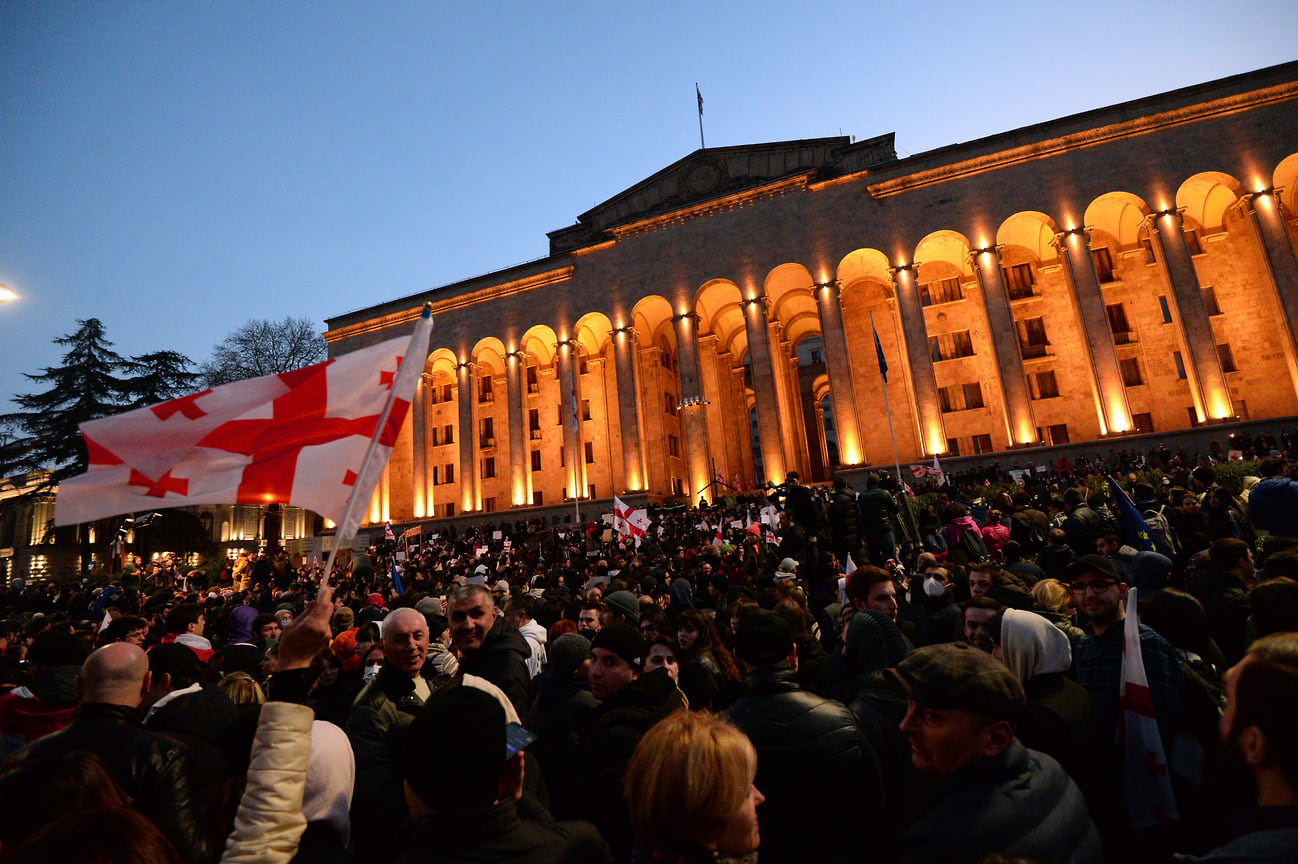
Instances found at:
x=726 y=202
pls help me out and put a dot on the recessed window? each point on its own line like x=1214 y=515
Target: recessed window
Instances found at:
x=1210 y=301
x=1103 y=261
x=941 y=291
x=1045 y=384
x=952 y=447
x=1227 y=358
x=485 y=393
x=946 y=399
x=1179 y=361
x=585 y=409
x=973 y=395
x=1119 y=325
x=590 y=452
x=536 y=460
x=947 y=346
x=982 y=444
x=1144 y=422
x=1057 y=433
x=533 y=385
x=1166 y=309
x=1131 y=374
x=537 y=498
x=1192 y=241
x=1032 y=337
x=488 y=467
x=673 y=446
x=1019 y=280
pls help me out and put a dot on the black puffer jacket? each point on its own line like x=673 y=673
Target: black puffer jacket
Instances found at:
x=150 y=767
x=813 y=765
x=1020 y=803
x=502 y=660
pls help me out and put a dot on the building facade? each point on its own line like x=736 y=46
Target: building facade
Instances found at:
x=1126 y=270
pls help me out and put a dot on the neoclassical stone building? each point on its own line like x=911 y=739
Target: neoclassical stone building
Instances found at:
x=1130 y=269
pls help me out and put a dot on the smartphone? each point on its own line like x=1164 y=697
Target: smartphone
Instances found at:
x=517 y=739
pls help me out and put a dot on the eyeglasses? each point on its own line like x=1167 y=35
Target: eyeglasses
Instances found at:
x=1093 y=587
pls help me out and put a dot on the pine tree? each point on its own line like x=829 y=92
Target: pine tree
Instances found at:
x=85 y=387
x=159 y=376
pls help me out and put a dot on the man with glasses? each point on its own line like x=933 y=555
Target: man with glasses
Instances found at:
x=1099 y=593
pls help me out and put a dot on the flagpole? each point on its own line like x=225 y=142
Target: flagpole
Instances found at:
x=699 y=94
x=367 y=477
x=908 y=525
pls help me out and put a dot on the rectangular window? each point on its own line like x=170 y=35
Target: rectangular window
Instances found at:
x=1194 y=415
x=1227 y=358
x=941 y=291
x=489 y=505
x=1144 y=423
x=1058 y=433
x=447 y=393
x=1019 y=280
x=533 y=385
x=1119 y=324
x=559 y=415
x=1147 y=245
x=1131 y=374
x=590 y=491
x=1166 y=310
x=537 y=498
x=678 y=488
x=946 y=399
x=448 y=510
x=935 y=349
x=437 y=436
x=585 y=409
x=1180 y=364
x=1192 y=243
x=485 y=393
x=448 y=434
x=673 y=446
x=583 y=364
x=536 y=460
x=817 y=357
x=487 y=432
x=670 y=404
x=449 y=473
x=590 y=452
x=1103 y=261
x=1032 y=337
x=534 y=420
x=946 y=346
x=973 y=395
x=952 y=447
x=982 y=444
x=1046 y=385
x=1210 y=301
x=437 y=474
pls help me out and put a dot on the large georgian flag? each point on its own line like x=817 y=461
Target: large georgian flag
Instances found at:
x=308 y=438
x=1150 y=798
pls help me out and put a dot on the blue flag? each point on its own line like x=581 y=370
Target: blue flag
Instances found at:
x=1134 y=533
x=878 y=350
x=396 y=579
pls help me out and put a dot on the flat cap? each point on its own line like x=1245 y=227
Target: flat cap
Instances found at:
x=958 y=675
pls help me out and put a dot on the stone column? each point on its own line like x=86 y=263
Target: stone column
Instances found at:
x=1268 y=218
x=419 y=447
x=1110 y=394
x=569 y=405
x=628 y=388
x=920 y=363
x=786 y=396
x=1015 y=397
x=797 y=411
x=768 y=412
x=1207 y=382
x=694 y=421
x=468 y=440
x=739 y=382
x=839 y=365
x=519 y=469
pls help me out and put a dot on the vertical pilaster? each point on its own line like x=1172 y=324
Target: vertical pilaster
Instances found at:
x=1207 y=381
x=1267 y=216
x=1020 y=425
x=419 y=447
x=1111 y=404
x=694 y=421
x=569 y=405
x=628 y=388
x=519 y=469
x=839 y=365
x=768 y=412
x=918 y=360
x=465 y=399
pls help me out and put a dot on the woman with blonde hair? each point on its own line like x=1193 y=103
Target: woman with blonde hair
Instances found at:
x=689 y=789
x=1054 y=602
x=242 y=689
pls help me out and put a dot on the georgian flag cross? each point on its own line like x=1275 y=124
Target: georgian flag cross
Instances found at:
x=305 y=438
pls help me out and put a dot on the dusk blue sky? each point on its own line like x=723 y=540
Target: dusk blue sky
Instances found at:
x=177 y=168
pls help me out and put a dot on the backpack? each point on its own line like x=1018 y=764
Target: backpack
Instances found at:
x=1160 y=533
x=973 y=547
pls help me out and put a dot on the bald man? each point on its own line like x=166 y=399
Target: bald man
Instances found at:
x=381 y=713
x=150 y=767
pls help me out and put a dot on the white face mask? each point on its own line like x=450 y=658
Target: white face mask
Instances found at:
x=933 y=588
x=370 y=672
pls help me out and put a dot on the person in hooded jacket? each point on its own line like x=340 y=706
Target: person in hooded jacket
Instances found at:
x=46 y=703
x=489 y=647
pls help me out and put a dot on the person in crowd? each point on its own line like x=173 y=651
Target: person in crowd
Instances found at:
x=588 y=620
x=1144 y=569
x=708 y=674
x=1273 y=606
x=48 y=701
x=1083 y=525
x=1222 y=586
x=1273 y=502
x=995 y=534
x=844 y=518
x=938 y=617
x=690 y=792
x=463 y=797
x=996 y=796
x=879 y=509
x=489 y=647
x=1053 y=600
x=519 y=614
x=802 y=741
x=975 y=613
x=1025 y=571
x=620 y=607
x=563 y=702
x=660 y=653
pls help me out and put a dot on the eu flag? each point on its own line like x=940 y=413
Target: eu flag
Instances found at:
x=878 y=351
x=396 y=579
x=1134 y=533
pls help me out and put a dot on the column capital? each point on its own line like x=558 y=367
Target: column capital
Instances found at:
x=894 y=272
x=1082 y=231
x=686 y=316
x=975 y=255
x=760 y=300
x=825 y=289
x=1151 y=221
x=1249 y=199
x=627 y=330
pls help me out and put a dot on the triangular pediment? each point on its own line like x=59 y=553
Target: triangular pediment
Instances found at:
x=716 y=172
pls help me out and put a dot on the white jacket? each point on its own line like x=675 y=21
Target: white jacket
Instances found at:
x=269 y=824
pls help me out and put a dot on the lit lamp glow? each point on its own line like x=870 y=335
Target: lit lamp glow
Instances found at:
x=7 y=294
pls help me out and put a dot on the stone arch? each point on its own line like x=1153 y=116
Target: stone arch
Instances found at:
x=441 y=365
x=947 y=246
x=594 y=332
x=1206 y=197
x=1120 y=215
x=652 y=319
x=1031 y=232
x=861 y=264
x=538 y=343
x=717 y=303
x=489 y=354
x=1285 y=178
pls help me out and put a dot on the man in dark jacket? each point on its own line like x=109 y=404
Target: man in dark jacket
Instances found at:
x=463 y=796
x=489 y=647
x=844 y=521
x=1083 y=525
x=1222 y=587
x=804 y=742
x=150 y=767
x=878 y=509
x=631 y=703
x=994 y=794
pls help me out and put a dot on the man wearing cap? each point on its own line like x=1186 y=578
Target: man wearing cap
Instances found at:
x=813 y=763
x=518 y=612
x=489 y=647
x=631 y=703
x=993 y=794
x=1100 y=593
x=620 y=607
x=787 y=570
x=463 y=795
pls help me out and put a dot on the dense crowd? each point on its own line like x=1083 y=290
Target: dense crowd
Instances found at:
x=803 y=674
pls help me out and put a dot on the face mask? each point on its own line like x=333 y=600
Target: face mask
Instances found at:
x=933 y=588
x=371 y=672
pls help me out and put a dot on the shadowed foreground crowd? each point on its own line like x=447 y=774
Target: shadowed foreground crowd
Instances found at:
x=553 y=693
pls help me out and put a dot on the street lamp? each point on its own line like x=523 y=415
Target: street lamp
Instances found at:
x=7 y=294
